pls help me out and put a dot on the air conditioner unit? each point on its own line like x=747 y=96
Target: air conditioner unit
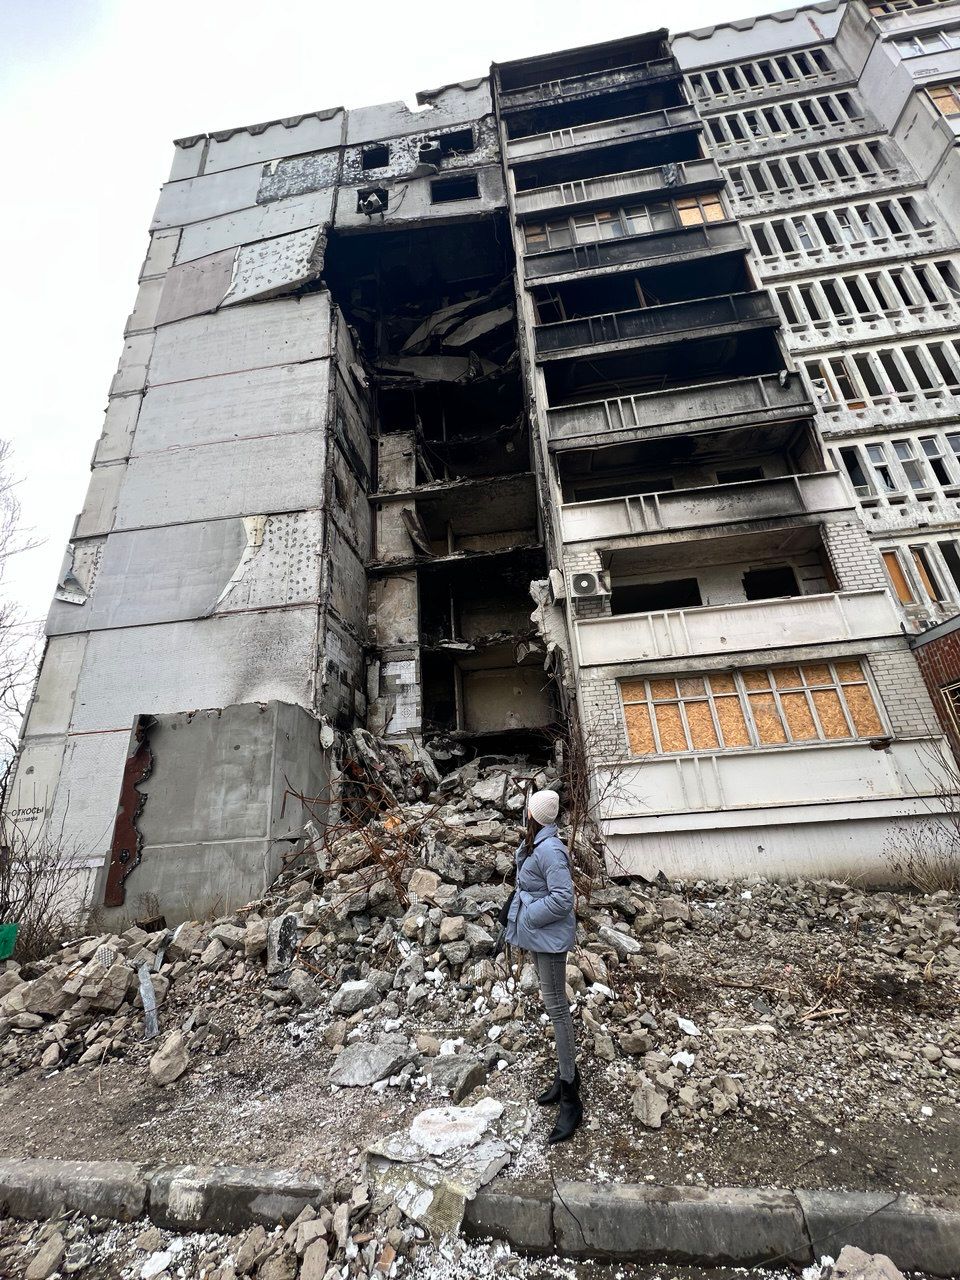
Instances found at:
x=584 y=585
x=558 y=588
x=429 y=152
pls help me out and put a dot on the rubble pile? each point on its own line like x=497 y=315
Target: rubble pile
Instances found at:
x=376 y=956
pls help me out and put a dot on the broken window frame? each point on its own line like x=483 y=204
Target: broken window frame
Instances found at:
x=374 y=150
x=744 y=696
x=467 y=186
x=950 y=694
x=920 y=570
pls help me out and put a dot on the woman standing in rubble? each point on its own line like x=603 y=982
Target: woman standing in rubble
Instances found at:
x=541 y=920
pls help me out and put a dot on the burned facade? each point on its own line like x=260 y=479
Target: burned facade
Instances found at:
x=616 y=388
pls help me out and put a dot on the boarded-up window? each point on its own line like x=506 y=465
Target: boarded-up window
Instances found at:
x=758 y=707
x=898 y=578
x=695 y=210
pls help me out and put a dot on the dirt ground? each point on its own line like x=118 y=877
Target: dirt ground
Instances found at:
x=266 y=1099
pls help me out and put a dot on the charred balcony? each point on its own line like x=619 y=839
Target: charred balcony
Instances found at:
x=663 y=180
x=660 y=123
x=581 y=164
x=569 y=64
x=684 y=244
x=696 y=485
x=572 y=84
x=680 y=364
x=618 y=102
x=709 y=404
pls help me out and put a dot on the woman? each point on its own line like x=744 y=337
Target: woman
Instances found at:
x=541 y=920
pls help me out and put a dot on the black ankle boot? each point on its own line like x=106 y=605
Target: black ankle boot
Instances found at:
x=551 y=1095
x=571 y=1111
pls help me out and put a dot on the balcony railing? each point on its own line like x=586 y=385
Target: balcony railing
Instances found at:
x=649 y=124
x=666 y=179
x=656 y=325
x=676 y=509
x=634 y=251
x=736 y=628
x=589 y=82
x=770 y=397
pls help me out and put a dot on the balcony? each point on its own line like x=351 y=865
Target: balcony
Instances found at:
x=812 y=193
x=848 y=254
x=662 y=180
x=656 y=325
x=752 y=625
x=586 y=84
x=650 y=124
x=740 y=402
x=657 y=249
x=923 y=319
x=752 y=148
x=677 y=509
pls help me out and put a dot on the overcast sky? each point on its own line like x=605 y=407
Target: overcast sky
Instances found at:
x=92 y=92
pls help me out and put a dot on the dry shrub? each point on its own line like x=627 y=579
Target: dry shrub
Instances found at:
x=42 y=889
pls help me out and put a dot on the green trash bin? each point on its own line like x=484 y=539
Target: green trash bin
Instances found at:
x=8 y=939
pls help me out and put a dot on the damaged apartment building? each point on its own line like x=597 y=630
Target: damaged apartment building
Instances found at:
x=616 y=389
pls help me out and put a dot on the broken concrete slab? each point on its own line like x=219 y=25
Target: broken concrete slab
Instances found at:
x=362 y=1064
x=227 y=1198
x=44 y=1188
x=919 y=1234
x=433 y=1168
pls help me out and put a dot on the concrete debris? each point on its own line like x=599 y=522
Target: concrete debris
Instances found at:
x=854 y=1264
x=170 y=1061
x=445 y=1156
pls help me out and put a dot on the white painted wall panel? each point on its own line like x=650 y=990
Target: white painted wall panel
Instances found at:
x=271 y=265
x=30 y=800
x=256 y=223
x=85 y=807
x=144 y=313
x=241 y=657
x=282 y=399
x=247 y=477
x=161 y=253
x=187 y=160
x=193 y=288
x=131 y=372
x=310 y=134
x=281 y=332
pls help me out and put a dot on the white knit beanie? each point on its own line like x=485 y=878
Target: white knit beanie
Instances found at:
x=543 y=807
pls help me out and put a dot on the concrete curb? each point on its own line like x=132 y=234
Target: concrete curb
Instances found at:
x=735 y=1226
x=181 y=1197
x=738 y=1226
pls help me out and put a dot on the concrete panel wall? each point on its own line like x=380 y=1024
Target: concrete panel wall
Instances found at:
x=793 y=28
x=289 y=398
x=255 y=223
x=245 y=477
x=197 y=199
x=243 y=147
x=52 y=704
x=455 y=104
x=281 y=332
x=242 y=657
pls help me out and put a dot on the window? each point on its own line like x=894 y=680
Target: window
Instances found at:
x=644 y=218
x=372 y=200
x=743 y=710
x=457 y=142
x=768 y=584
x=946 y=98
x=445 y=190
x=737 y=475
x=897 y=576
x=695 y=210
x=928 y=580
x=604 y=224
x=377 y=157
x=648 y=597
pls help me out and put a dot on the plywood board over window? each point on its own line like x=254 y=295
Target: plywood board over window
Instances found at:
x=750 y=708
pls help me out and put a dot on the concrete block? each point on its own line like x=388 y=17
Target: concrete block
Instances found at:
x=227 y=1198
x=43 y=1188
x=161 y=252
x=282 y=332
x=131 y=372
x=522 y=1215
x=727 y=1226
x=918 y=1233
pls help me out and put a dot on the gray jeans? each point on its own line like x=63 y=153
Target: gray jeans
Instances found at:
x=552 y=972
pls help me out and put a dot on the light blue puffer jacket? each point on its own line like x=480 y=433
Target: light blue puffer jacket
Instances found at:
x=541 y=914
